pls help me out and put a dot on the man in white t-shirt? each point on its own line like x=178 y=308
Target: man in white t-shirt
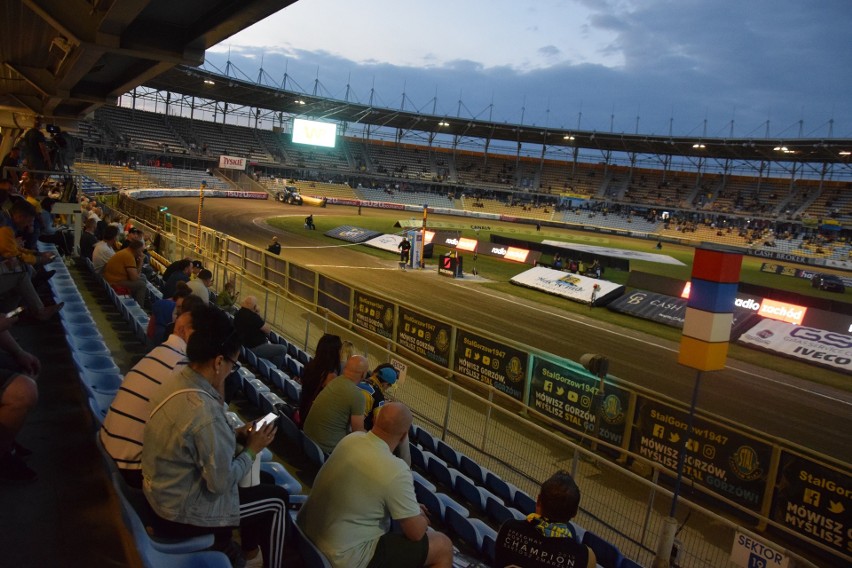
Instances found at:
x=105 y=249
x=360 y=490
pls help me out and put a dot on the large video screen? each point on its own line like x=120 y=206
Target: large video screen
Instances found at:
x=314 y=133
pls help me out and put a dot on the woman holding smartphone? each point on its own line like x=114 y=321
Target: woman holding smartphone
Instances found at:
x=191 y=467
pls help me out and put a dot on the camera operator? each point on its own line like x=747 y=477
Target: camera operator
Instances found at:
x=35 y=150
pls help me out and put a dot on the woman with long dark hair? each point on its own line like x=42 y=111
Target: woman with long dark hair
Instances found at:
x=319 y=371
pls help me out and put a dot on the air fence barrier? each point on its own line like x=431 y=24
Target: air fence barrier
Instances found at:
x=773 y=487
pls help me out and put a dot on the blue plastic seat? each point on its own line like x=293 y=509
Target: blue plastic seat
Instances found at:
x=472 y=531
x=270 y=402
x=427 y=441
x=447 y=453
x=279 y=379
x=289 y=429
x=251 y=358
x=500 y=488
x=302 y=357
x=472 y=469
x=500 y=513
x=436 y=502
x=628 y=563
x=314 y=453
x=293 y=390
x=98 y=363
x=184 y=554
x=312 y=557
x=524 y=503
x=98 y=413
x=418 y=460
x=283 y=478
x=101 y=383
x=264 y=367
x=443 y=475
x=607 y=554
x=476 y=496
x=253 y=388
x=89 y=345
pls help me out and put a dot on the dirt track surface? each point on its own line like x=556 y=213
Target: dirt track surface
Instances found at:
x=813 y=416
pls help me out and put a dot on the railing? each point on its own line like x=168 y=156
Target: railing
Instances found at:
x=625 y=494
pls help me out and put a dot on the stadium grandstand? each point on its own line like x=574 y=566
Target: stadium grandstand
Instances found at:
x=146 y=134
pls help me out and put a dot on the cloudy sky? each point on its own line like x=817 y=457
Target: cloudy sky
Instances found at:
x=695 y=67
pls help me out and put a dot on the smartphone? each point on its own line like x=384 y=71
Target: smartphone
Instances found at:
x=14 y=312
x=269 y=418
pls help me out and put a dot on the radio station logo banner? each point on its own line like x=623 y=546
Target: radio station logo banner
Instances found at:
x=809 y=344
x=717 y=458
x=425 y=336
x=567 y=393
x=352 y=234
x=374 y=314
x=814 y=500
x=491 y=363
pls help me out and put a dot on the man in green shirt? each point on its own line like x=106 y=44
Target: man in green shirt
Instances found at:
x=339 y=407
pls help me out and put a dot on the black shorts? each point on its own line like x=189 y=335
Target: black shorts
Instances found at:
x=396 y=551
x=6 y=376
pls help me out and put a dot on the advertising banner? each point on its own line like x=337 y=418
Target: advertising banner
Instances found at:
x=352 y=234
x=773 y=268
x=425 y=336
x=809 y=344
x=655 y=307
x=718 y=458
x=232 y=163
x=491 y=363
x=814 y=500
x=616 y=252
x=571 y=286
x=373 y=314
x=567 y=393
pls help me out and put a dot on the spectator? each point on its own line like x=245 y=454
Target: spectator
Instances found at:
x=121 y=433
x=228 y=296
x=88 y=240
x=374 y=386
x=253 y=333
x=164 y=313
x=10 y=164
x=319 y=372
x=179 y=271
x=274 y=247
x=339 y=408
x=191 y=467
x=201 y=286
x=12 y=227
x=196 y=268
x=547 y=533
x=36 y=154
x=123 y=270
x=18 y=395
x=105 y=249
x=359 y=490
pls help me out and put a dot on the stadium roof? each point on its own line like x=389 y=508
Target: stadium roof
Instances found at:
x=204 y=84
x=64 y=58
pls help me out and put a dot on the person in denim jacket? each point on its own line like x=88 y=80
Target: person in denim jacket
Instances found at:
x=191 y=465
